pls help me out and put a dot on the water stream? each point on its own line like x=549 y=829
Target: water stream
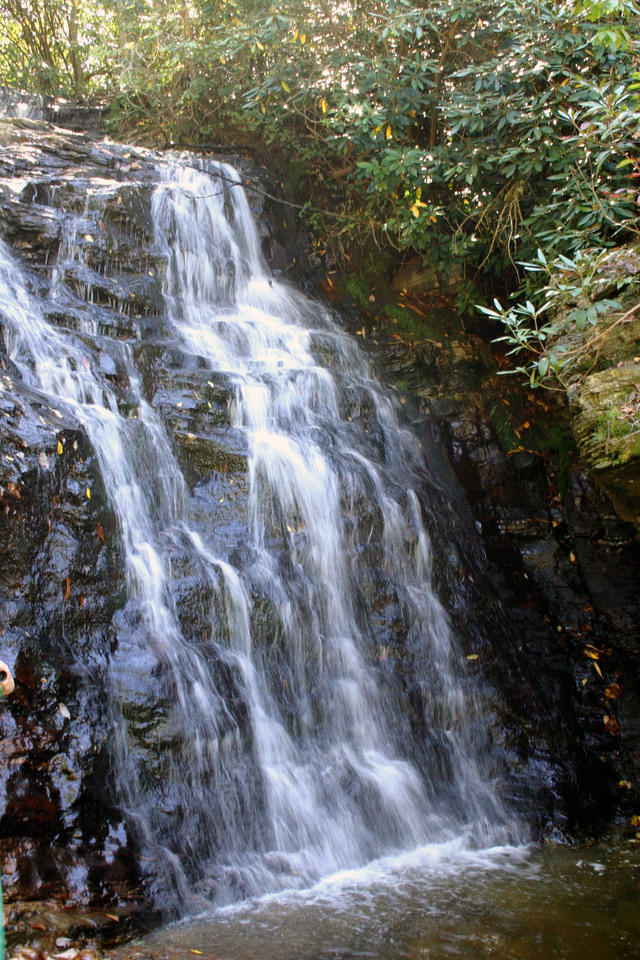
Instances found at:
x=284 y=747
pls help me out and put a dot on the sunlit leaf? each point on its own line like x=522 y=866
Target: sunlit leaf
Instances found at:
x=60 y=448
x=64 y=711
x=285 y=86
x=388 y=132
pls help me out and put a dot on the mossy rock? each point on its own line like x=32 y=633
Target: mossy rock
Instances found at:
x=607 y=438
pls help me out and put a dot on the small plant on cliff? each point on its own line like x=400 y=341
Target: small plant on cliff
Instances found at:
x=573 y=295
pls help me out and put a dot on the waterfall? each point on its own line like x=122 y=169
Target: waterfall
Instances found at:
x=283 y=745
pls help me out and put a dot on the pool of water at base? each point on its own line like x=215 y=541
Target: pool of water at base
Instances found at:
x=437 y=903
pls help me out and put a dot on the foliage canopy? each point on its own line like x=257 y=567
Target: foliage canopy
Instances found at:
x=455 y=129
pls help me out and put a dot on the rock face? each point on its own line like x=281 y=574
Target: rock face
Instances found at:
x=601 y=373
x=562 y=560
x=537 y=575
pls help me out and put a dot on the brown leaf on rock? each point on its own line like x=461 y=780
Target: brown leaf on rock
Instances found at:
x=611 y=724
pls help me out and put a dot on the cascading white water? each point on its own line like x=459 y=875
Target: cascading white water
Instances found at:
x=286 y=750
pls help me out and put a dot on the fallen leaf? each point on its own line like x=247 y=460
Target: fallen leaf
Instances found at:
x=88 y=494
x=611 y=724
x=635 y=821
x=67 y=590
x=596 y=667
x=43 y=460
x=65 y=713
x=100 y=531
x=198 y=952
x=472 y=656
x=36 y=925
x=112 y=916
x=60 y=448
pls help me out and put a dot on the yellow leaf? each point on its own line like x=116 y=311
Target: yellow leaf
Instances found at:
x=415 y=210
x=262 y=107
x=597 y=668
x=412 y=113
x=378 y=128
x=323 y=105
x=295 y=36
x=259 y=45
x=60 y=449
x=303 y=38
x=388 y=132
x=635 y=821
x=472 y=656
x=419 y=193
x=285 y=86
x=88 y=494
